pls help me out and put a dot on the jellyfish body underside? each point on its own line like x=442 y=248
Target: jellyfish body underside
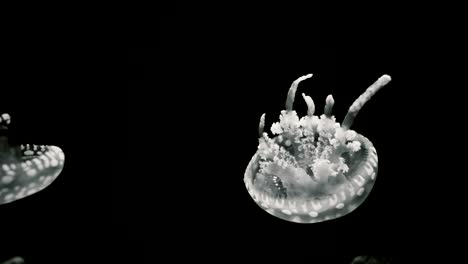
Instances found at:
x=25 y=169
x=346 y=197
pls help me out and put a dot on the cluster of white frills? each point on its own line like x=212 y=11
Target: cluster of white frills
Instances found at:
x=321 y=142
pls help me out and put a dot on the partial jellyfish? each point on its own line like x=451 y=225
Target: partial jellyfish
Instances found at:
x=15 y=260
x=313 y=169
x=25 y=169
x=372 y=260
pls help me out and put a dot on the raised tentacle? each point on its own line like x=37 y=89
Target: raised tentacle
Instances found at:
x=329 y=102
x=362 y=99
x=261 y=125
x=292 y=91
x=310 y=104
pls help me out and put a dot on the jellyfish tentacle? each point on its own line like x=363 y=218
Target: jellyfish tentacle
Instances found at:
x=292 y=91
x=329 y=102
x=362 y=99
x=310 y=104
x=261 y=125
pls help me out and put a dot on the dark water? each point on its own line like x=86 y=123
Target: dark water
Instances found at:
x=158 y=119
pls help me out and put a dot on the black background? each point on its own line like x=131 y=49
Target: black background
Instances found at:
x=158 y=116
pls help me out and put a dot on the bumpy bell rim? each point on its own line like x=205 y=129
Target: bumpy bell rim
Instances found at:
x=344 y=201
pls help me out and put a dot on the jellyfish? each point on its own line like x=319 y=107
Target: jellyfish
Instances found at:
x=15 y=260
x=371 y=260
x=314 y=169
x=25 y=169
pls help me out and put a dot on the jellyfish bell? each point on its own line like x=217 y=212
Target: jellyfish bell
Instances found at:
x=25 y=169
x=313 y=169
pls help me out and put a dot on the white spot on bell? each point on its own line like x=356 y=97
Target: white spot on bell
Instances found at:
x=296 y=219
x=7 y=179
x=286 y=211
x=31 y=173
x=61 y=155
x=21 y=193
x=31 y=191
x=9 y=197
x=53 y=162
x=313 y=214
x=360 y=191
x=339 y=206
x=47 y=180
